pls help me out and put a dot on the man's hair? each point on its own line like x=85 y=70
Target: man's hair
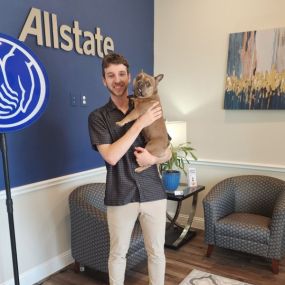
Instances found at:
x=113 y=58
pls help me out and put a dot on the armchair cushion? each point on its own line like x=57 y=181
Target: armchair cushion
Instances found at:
x=245 y=226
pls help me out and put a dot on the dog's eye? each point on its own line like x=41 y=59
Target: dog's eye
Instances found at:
x=148 y=84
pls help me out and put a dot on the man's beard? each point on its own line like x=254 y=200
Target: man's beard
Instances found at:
x=114 y=93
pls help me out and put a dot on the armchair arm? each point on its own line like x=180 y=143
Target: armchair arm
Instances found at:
x=88 y=210
x=89 y=235
x=277 y=229
x=218 y=203
x=90 y=198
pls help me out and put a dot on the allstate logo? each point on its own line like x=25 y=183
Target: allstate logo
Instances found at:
x=23 y=85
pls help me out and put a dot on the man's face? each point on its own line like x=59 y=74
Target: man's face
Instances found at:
x=117 y=79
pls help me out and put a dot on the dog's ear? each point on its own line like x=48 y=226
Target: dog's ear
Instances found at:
x=158 y=78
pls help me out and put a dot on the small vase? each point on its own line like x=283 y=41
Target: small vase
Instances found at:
x=171 y=179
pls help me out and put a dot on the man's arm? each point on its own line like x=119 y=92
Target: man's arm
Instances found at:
x=112 y=153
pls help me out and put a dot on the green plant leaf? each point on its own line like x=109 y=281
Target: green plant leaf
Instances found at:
x=180 y=154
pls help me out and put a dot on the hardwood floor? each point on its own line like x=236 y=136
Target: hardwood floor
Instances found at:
x=227 y=263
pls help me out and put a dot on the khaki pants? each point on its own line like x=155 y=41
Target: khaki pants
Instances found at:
x=121 y=221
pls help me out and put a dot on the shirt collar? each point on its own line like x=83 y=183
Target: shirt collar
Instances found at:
x=111 y=106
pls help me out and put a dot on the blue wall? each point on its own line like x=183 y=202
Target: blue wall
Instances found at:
x=58 y=143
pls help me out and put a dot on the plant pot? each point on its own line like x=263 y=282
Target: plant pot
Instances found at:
x=171 y=179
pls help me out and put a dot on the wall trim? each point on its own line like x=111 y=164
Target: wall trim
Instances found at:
x=240 y=165
x=46 y=184
x=102 y=170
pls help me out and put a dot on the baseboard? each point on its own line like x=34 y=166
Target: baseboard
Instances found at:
x=43 y=270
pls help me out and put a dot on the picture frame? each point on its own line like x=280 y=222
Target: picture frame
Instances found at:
x=255 y=78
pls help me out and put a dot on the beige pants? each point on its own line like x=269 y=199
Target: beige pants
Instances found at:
x=121 y=221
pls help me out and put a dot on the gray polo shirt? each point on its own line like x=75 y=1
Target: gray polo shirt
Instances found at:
x=123 y=184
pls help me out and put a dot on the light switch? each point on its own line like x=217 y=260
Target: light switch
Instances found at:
x=73 y=99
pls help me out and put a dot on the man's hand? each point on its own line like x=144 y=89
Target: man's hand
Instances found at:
x=143 y=157
x=150 y=116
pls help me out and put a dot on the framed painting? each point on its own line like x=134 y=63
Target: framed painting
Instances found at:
x=255 y=78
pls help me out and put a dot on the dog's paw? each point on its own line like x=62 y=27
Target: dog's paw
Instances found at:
x=141 y=168
x=120 y=124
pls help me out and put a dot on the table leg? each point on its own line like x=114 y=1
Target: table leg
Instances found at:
x=187 y=227
x=186 y=234
x=175 y=217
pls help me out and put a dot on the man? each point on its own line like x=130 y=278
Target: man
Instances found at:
x=129 y=195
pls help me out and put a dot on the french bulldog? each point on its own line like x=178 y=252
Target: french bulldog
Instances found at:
x=145 y=94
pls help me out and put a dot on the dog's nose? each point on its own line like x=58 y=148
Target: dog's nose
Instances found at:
x=140 y=84
x=138 y=89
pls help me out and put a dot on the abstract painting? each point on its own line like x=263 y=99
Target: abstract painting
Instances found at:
x=255 y=77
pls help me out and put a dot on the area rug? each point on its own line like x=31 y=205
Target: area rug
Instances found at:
x=197 y=277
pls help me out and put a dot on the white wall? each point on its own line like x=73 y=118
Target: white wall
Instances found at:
x=191 y=41
x=191 y=46
x=42 y=227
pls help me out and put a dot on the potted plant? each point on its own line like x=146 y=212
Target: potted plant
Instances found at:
x=171 y=169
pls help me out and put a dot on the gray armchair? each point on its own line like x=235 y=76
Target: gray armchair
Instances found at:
x=89 y=230
x=247 y=213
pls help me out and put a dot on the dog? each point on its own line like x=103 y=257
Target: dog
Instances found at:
x=145 y=94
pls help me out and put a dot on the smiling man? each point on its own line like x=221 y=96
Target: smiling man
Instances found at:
x=129 y=195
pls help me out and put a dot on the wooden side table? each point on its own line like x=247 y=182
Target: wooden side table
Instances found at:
x=176 y=235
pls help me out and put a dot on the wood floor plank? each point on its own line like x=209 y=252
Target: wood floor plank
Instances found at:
x=179 y=263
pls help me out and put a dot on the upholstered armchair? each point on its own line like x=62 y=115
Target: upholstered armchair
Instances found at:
x=89 y=230
x=247 y=213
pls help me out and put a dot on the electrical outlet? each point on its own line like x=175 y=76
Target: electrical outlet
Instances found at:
x=73 y=99
x=83 y=100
